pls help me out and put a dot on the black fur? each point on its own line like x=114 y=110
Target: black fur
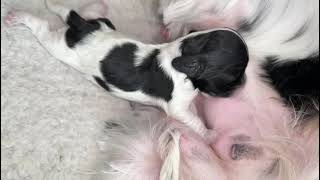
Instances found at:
x=79 y=28
x=215 y=62
x=107 y=22
x=101 y=83
x=296 y=81
x=157 y=83
x=119 y=70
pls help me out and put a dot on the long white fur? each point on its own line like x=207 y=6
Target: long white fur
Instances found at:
x=280 y=20
x=170 y=144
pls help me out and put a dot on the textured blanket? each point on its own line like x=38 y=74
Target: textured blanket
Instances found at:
x=51 y=117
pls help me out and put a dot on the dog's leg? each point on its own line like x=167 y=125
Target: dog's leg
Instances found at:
x=53 y=40
x=179 y=109
x=192 y=121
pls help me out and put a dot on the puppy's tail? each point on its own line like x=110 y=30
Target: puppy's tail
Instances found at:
x=170 y=149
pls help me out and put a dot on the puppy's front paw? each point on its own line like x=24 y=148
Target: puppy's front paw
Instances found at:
x=14 y=17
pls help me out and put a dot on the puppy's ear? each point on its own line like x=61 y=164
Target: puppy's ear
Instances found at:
x=192 y=66
x=76 y=21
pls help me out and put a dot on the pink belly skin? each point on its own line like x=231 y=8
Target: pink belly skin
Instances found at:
x=228 y=117
x=253 y=112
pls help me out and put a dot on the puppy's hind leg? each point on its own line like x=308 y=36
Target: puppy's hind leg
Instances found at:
x=53 y=40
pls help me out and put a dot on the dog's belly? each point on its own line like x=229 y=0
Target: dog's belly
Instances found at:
x=254 y=111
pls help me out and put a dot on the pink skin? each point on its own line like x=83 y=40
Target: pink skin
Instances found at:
x=13 y=17
x=253 y=113
x=234 y=116
x=196 y=155
x=165 y=33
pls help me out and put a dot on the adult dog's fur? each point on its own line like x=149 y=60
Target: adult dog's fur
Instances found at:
x=280 y=37
x=283 y=42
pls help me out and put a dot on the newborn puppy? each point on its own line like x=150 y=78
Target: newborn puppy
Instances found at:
x=168 y=75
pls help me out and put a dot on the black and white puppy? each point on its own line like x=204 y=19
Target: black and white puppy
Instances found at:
x=167 y=75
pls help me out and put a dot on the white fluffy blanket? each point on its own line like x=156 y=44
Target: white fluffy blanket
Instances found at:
x=51 y=117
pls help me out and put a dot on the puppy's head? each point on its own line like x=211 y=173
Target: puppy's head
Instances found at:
x=214 y=61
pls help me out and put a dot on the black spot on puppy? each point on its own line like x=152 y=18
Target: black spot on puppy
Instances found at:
x=119 y=69
x=297 y=81
x=79 y=28
x=157 y=83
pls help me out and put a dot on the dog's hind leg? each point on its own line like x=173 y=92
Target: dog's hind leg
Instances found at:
x=53 y=40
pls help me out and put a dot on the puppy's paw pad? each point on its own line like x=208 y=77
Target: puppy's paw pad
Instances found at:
x=14 y=17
